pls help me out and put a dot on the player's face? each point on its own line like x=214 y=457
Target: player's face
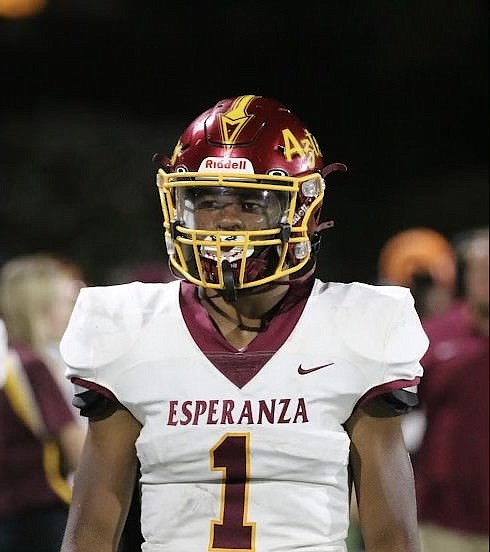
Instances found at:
x=234 y=209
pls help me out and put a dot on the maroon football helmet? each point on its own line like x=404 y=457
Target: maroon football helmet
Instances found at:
x=241 y=195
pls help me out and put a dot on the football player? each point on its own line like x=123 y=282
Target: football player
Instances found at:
x=251 y=393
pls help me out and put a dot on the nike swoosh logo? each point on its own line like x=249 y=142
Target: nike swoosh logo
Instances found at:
x=304 y=371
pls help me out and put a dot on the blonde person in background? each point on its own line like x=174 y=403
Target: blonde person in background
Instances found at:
x=3 y=353
x=40 y=437
x=38 y=293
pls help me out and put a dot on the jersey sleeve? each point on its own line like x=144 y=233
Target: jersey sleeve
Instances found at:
x=383 y=332
x=406 y=341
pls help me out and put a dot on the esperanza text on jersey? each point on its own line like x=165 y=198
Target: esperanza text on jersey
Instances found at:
x=226 y=412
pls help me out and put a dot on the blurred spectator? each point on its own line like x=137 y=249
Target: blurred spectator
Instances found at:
x=452 y=463
x=423 y=260
x=3 y=352
x=448 y=435
x=37 y=295
x=40 y=438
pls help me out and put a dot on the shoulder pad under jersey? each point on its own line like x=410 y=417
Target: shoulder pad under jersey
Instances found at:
x=106 y=322
x=379 y=323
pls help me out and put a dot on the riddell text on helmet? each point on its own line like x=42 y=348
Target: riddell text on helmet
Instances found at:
x=235 y=164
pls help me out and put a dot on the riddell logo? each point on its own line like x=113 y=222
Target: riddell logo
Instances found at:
x=223 y=164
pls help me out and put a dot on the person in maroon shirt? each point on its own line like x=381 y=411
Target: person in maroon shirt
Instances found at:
x=34 y=442
x=40 y=437
x=451 y=465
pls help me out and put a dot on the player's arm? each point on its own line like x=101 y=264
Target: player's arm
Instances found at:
x=383 y=479
x=103 y=484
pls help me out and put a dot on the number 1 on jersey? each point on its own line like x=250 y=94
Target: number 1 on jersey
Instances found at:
x=231 y=456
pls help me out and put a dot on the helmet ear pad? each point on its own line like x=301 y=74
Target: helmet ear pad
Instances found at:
x=312 y=227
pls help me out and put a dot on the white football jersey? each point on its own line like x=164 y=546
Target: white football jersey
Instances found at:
x=244 y=462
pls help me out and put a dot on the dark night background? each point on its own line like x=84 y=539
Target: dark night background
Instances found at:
x=92 y=88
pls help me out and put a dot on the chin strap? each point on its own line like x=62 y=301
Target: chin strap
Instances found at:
x=316 y=237
x=229 y=293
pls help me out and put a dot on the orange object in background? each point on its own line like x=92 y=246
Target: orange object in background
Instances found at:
x=21 y=8
x=417 y=251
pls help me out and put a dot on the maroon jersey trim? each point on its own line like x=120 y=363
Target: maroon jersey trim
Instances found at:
x=386 y=388
x=94 y=387
x=240 y=366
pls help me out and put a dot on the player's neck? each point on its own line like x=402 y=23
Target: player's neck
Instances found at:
x=240 y=321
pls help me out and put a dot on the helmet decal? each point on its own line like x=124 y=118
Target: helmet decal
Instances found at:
x=176 y=152
x=234 y=120
x=308 y=147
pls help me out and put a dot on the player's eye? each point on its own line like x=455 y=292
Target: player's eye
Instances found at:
x=208 y=204
x=252 y=206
